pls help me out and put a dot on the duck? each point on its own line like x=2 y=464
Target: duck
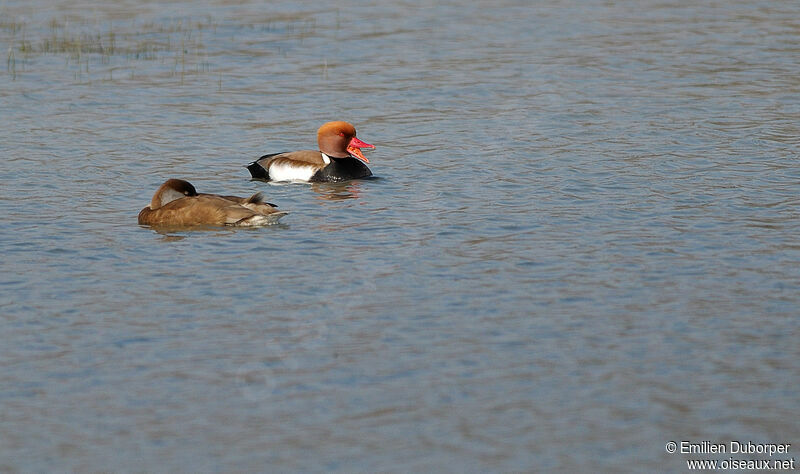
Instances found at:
x=177 y=203
x=339 y=158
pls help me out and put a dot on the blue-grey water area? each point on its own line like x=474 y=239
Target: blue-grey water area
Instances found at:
x=581 y=242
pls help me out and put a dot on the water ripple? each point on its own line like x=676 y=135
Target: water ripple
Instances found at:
x=581 y=242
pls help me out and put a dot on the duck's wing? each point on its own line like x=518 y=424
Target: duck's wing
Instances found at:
x=287 y=166
x=251 y=212
x=257 y=198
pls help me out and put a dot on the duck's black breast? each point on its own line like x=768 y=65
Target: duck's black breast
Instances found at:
x=342 y=169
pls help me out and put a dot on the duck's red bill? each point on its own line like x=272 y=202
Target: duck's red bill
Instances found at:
x=354 y=148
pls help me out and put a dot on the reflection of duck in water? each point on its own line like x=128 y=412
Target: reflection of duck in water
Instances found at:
x=339 y=159
x=177 y=203
x=337 y=191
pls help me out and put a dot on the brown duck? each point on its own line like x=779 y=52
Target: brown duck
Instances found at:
x=177 y=203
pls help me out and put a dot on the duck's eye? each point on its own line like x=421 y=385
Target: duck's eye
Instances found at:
x=341 y=134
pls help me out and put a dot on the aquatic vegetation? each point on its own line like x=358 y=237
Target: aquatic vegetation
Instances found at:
x=96 y=49
x=111 y=46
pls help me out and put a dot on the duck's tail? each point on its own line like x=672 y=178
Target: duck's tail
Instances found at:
x=258 y=198
x=257 y=171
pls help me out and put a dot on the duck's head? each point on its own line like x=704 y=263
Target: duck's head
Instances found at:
x=338 y=140
x=171 y=190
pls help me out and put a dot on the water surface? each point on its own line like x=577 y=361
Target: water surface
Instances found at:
x=582 y=242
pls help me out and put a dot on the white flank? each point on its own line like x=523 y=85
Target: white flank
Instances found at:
x=261 y=219
x=286 y=172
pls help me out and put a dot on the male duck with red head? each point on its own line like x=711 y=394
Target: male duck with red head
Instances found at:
x=177 y=203
x=339 y=159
